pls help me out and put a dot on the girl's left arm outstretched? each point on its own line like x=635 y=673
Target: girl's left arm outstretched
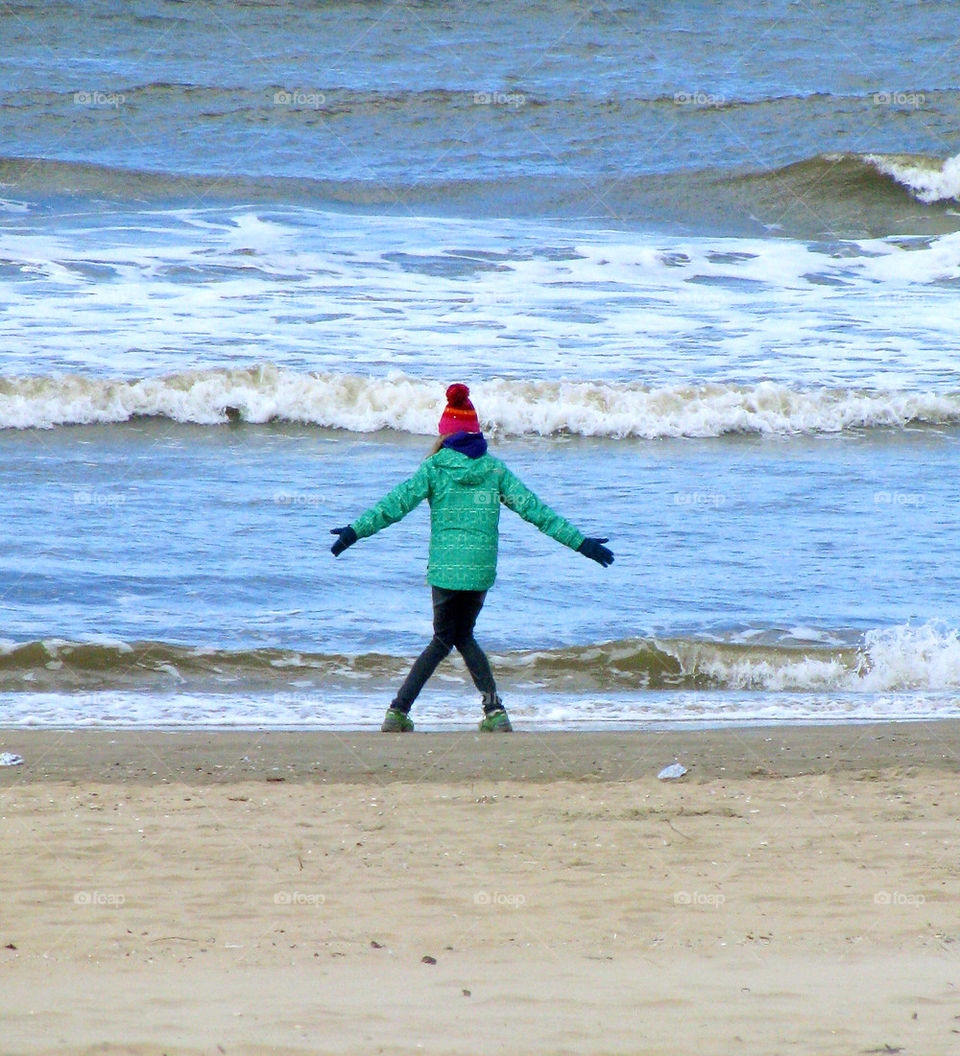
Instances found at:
x=519 y=498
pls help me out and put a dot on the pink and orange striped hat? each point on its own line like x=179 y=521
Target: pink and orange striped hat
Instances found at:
x=459 y=416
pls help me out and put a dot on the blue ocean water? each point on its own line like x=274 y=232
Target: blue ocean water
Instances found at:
x=702 y=284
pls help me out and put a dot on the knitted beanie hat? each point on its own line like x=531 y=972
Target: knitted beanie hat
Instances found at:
x=459 y=416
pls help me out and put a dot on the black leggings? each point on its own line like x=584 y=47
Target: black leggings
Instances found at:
x=454 y=614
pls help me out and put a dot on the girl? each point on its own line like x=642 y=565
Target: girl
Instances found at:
x=464 y=486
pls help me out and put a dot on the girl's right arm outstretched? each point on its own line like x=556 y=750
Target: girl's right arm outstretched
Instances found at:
x=394 y=506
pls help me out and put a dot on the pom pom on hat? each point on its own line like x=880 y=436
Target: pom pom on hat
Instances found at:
x=459 y=396
x=460 y=415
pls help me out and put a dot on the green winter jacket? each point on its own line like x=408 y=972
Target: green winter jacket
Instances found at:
x=464 y=495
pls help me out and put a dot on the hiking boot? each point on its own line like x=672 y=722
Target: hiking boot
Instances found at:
x=495 y=718
x=496 y=722
x=396 y=721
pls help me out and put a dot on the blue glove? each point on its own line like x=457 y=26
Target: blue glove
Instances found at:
x=596 y=551
x=347 y=538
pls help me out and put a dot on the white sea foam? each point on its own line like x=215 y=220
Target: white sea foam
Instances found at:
x=358 y=710
x=924 y=180
x=910 y=657
x=363 y=404
x=924 y=657
x=164 y=291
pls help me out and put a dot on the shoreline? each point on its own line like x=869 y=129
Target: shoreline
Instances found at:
x=157 y=756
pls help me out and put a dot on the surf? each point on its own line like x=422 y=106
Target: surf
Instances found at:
x=830 y=194
x=511 y=407
x=902 y=658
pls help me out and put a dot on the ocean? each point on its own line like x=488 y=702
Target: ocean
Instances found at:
x=699 y=265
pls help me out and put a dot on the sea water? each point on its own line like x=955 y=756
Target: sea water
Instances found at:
x=699 y=268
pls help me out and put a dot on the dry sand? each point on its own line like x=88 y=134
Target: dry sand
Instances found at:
x=244 y=893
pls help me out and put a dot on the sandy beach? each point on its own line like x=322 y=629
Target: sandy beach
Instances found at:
x=291 y=893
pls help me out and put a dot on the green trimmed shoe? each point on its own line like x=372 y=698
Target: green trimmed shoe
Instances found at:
x=496 y=722
x=396 y=721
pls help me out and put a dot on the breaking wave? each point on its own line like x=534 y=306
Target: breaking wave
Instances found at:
x=893 y=659
x=847 y=194
x=546 y=408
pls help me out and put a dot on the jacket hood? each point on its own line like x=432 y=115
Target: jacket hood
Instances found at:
x=465 y=469
x=472 y=445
